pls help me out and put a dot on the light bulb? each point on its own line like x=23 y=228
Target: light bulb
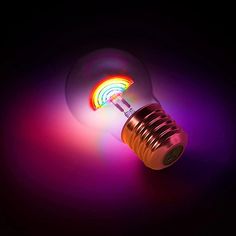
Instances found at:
x=110 y=89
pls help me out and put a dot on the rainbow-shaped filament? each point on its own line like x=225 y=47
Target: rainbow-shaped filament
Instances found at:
x=108 y=89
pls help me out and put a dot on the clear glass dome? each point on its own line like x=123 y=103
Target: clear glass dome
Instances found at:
x=93 y=68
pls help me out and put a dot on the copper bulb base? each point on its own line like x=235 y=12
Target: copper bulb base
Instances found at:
x=156 y=138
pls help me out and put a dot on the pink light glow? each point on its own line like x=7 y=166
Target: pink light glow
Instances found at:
x=53 y=156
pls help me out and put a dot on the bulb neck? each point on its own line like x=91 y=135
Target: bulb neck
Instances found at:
x=154 y=136
x=122 y=105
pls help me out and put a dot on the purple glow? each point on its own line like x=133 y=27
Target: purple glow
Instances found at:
x=54 y=156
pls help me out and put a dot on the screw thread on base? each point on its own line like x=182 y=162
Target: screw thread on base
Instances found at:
x=154 y=137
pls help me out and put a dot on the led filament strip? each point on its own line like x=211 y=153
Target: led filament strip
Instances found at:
x=110 y=90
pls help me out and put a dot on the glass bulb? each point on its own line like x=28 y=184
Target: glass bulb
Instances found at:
x=110 y=89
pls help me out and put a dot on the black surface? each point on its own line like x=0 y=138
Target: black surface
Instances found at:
x=201 y=35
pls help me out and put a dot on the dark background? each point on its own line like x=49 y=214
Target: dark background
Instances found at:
x=199 y=36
